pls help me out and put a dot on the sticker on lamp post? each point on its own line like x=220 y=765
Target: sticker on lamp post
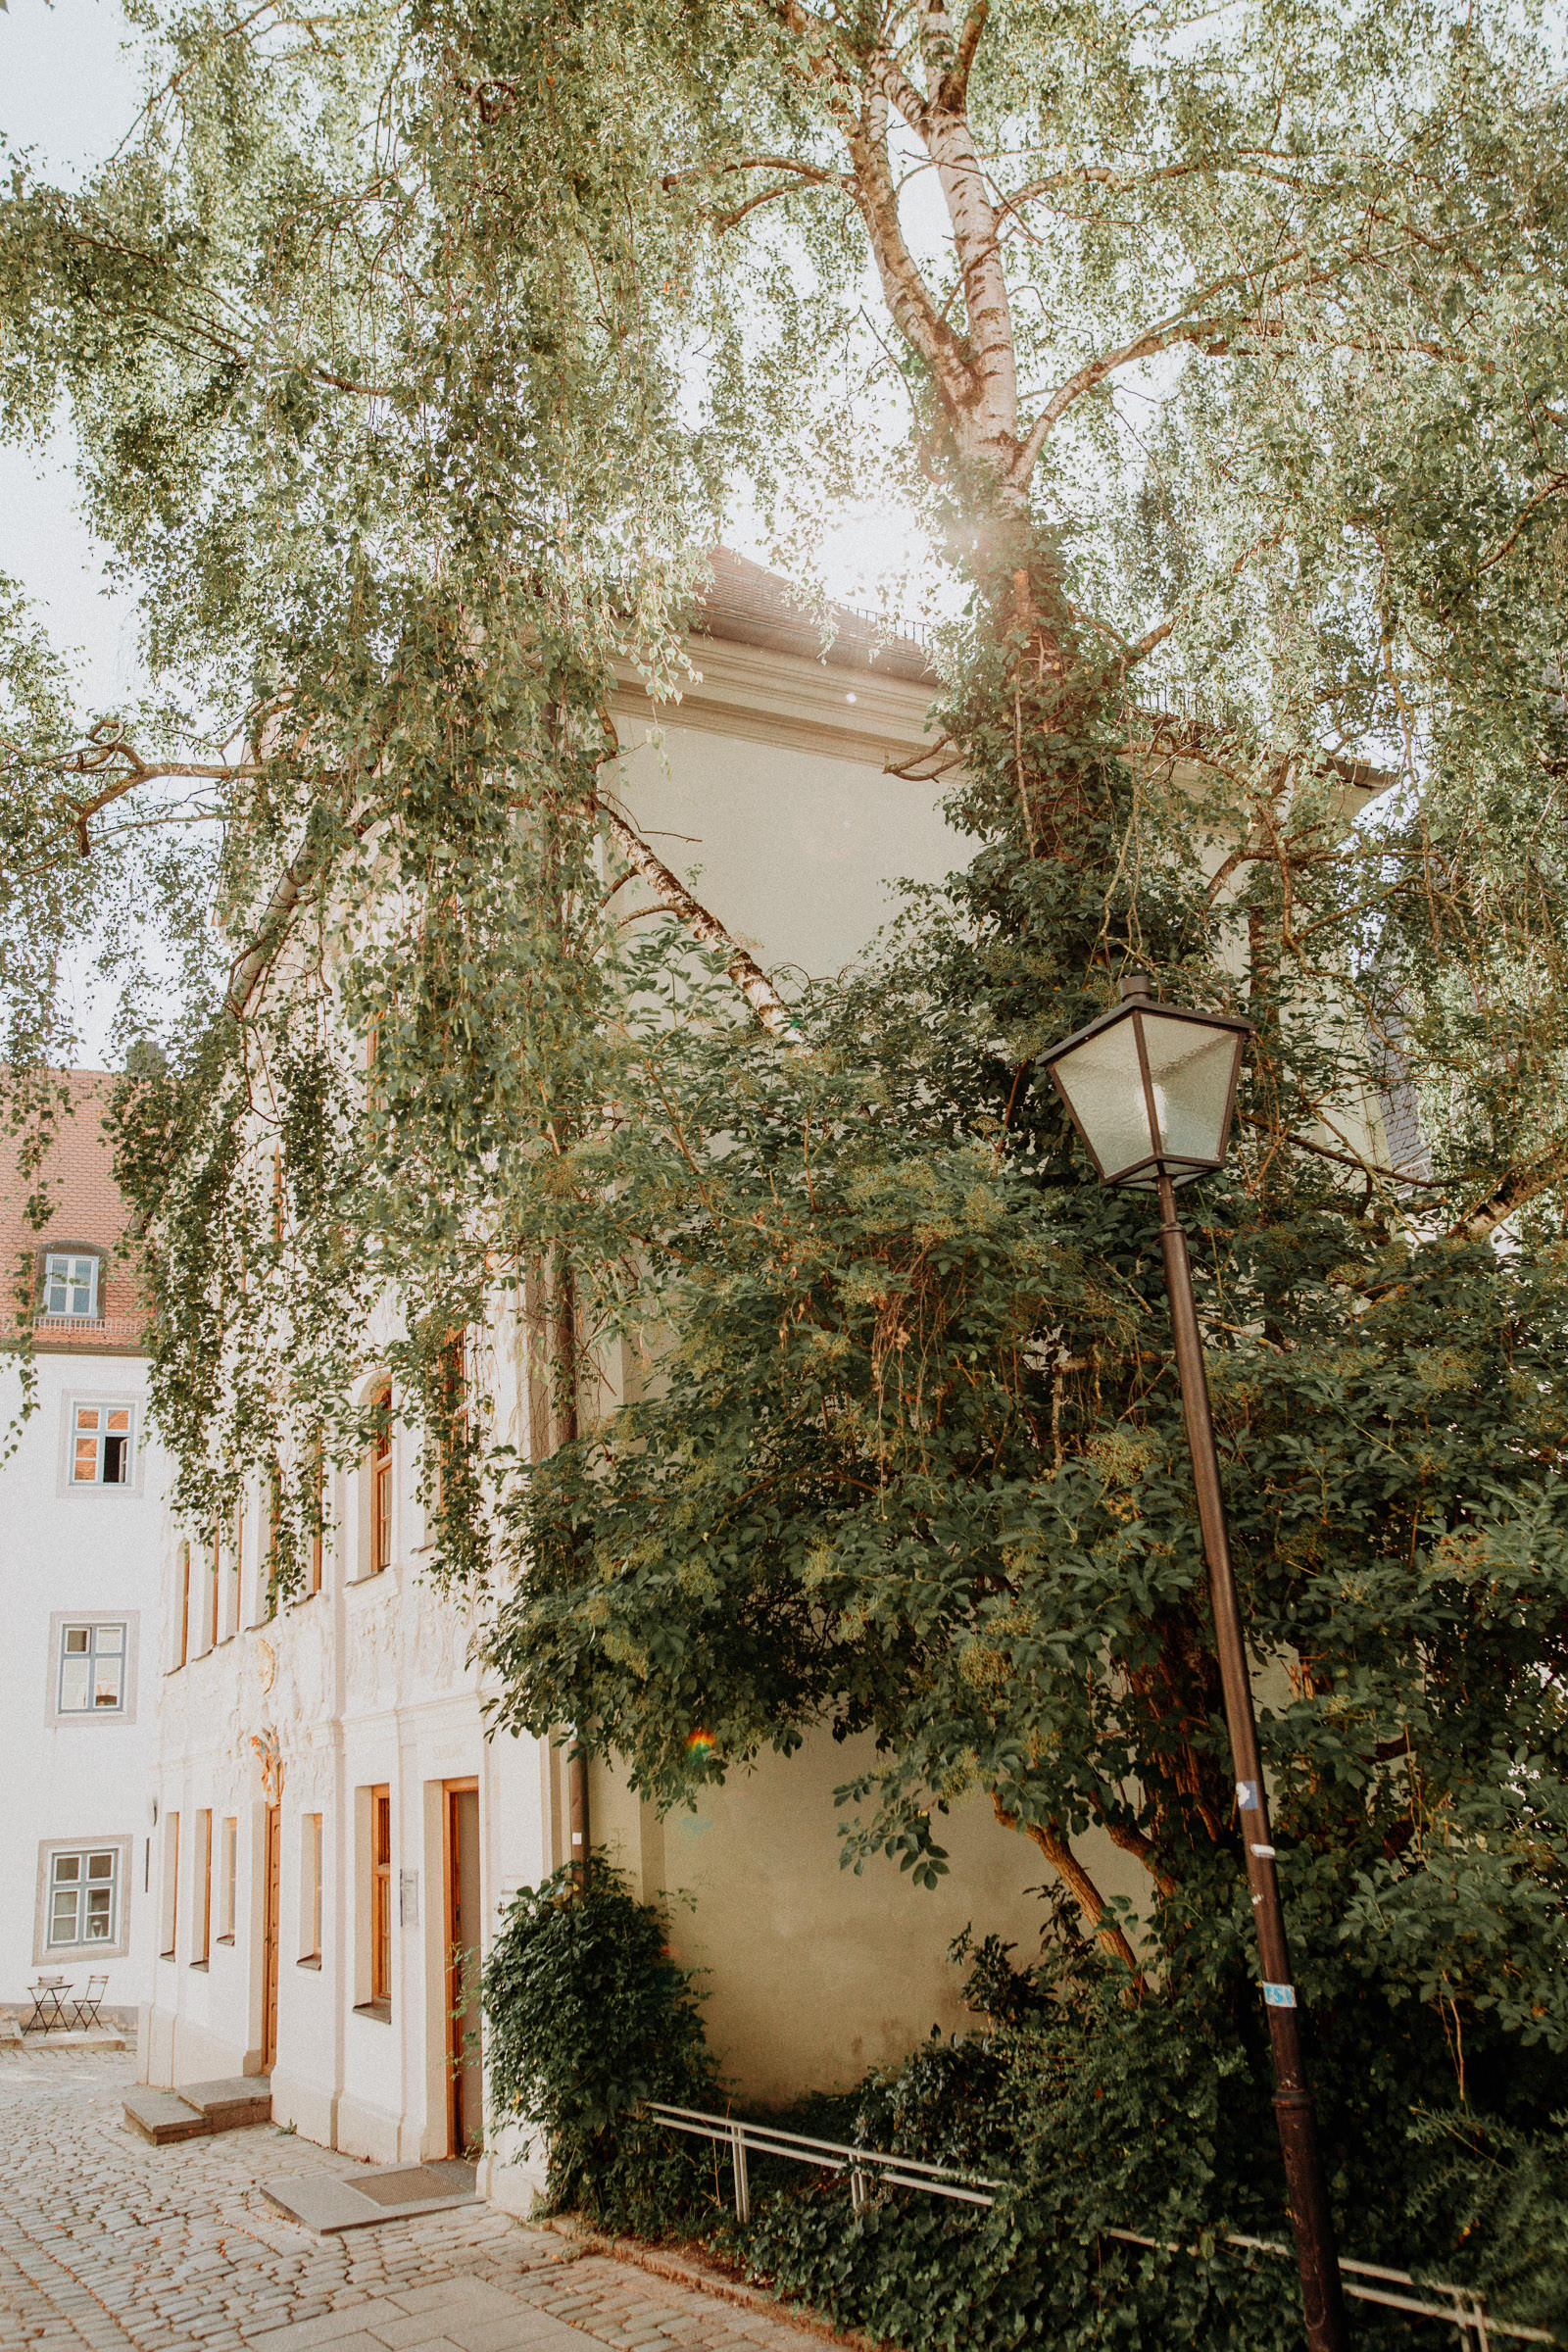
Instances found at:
x=1279 y=1996
x=1246 y=1796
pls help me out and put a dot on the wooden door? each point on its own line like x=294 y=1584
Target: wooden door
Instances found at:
x=270 y=1903
x=466 y=2094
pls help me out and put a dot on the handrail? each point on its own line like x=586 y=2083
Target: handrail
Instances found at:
x=1466 y=2310
x=864 y=2165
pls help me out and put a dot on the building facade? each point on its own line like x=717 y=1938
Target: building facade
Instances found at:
x=81 y=1514
x=336 y=1833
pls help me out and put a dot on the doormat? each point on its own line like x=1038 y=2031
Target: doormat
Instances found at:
x=381 y=2192
x=406 y=2188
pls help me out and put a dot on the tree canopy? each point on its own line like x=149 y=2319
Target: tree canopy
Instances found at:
x=412 y=354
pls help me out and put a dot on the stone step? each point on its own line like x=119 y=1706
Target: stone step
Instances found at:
x=163 y=2117
x=199 y=2108
x=232 y=2104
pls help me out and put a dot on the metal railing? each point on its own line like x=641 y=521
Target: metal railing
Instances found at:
x=869 y=2169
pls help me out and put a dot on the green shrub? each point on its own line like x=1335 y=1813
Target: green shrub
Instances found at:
x=1097 y=2114
x=588 y=2016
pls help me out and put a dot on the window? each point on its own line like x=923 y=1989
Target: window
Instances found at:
x=236 y=1569
x=228 y=1876
x=71 y=1283
x=202 y=1913
x=85 y=1897
x=381 y=1894
x=182 y=1605
x=102 y=1445
x=92 y=1670
x=273 y=1547
x=214 y=1564
x=319 y=1519
x=381 y=1479
x=453 y=1407
x=166 y=1941
x=310 y=1888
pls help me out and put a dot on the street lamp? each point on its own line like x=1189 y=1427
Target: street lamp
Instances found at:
x=1150 y=1088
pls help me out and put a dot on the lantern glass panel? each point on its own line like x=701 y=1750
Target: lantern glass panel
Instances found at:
x=1105 y=1090
x=1190 y=1067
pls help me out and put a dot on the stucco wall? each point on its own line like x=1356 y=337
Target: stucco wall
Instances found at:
x=812 y=1973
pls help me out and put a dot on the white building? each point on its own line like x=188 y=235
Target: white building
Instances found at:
x=81 y=1513
x=335 y=1832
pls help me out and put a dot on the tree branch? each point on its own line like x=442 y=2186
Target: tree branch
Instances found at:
x=1158 y=635
x=673 y=896
x=954 y=90
x=1085 y=1893
x=1155 y=339
x=1345 y=1160
x=1516 y=1188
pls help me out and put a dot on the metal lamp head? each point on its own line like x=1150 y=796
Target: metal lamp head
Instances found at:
x=1150 y=1088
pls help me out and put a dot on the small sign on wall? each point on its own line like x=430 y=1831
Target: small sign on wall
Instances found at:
x=409 y=1898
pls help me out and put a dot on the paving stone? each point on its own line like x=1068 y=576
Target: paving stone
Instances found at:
x=110 y=2244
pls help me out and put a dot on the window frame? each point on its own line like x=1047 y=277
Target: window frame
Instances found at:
x=313 y=1839
x=382 y=1494
x=381 y=1894
x=319 y=1473
x=100 y=1437
x=85 y=1878
x=169 y=1890
x=91 y=1651
x=57 y=1717
x=116 y=1944
x=228 y=1877
x=201 y=1916
x=89 y=1253
x=183 y=1648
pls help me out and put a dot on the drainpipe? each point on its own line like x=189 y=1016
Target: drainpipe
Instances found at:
x=581 y=1840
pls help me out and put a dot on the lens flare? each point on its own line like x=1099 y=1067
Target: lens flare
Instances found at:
x=701 y=1743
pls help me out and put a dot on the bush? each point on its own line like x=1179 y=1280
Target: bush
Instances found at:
x=1098 y=2114
x=588 y=2017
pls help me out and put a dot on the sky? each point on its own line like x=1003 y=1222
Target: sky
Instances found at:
x=71 y=87
x=70 y=90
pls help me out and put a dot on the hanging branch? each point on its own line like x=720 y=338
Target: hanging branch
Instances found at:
x=673 y=896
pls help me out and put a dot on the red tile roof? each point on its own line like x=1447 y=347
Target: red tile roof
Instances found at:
x=85 y=1210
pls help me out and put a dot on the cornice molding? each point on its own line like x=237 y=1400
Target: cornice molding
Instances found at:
x=761 y=696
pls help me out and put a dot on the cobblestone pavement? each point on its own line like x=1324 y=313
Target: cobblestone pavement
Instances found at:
x=108 y=2242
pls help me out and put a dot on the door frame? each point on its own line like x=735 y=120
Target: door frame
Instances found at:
x=272 y=1891
x=466 y=1785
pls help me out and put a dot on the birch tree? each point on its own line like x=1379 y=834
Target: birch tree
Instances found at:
x=1220 y=354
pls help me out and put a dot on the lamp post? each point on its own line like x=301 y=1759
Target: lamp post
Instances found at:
x=1150 y=1088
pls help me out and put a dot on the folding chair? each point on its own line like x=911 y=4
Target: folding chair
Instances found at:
x=84 y=2013
x=48 y=2005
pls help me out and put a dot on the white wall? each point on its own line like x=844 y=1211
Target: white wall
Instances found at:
x=91 y=1553
x=366 y=1683
x=796 y=851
